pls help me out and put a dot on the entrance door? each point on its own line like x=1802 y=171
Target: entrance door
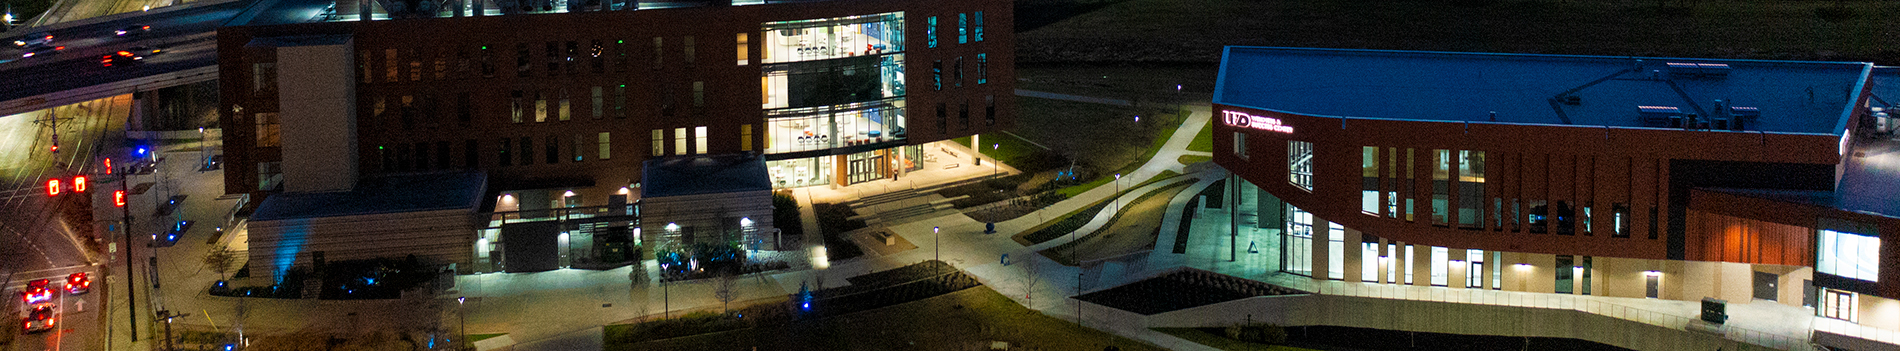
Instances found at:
x=1652 y=286
x=864 y=167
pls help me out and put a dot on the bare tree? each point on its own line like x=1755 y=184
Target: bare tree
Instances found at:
x=219 y=259
x=1032 y=276
x=725 y=288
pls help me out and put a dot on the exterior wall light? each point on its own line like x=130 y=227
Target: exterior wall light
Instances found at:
x=674 y=227
x=1652 y=273
x=569 y=193
x=745 y=221
x=1522 y=266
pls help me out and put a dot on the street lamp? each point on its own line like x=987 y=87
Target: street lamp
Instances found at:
x=994 y=168
x=459 y=301
x=935 y=232
x=1118 y=192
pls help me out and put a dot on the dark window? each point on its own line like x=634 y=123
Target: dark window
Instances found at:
x=471 y=154
x=595 y=60
x=573 y=50
x=488 y=62
x=422 y=156
x=527 y=151
x=554 y=149
x=464 y=110
x=936 y=74
x=522 y=66
x=959 y=71
x=982 y=66
x=504 y=158
x=943 y=119
x=442 y=155
x=989 y=110
x=963 y=114
x=554 y=58
x=620 y=101
x=1566 y=274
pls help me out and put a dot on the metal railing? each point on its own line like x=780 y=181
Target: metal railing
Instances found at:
x=1850 y=329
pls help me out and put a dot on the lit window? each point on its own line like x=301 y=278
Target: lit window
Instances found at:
x=699 y=94
x=659 y=142
x=982 y=68
x=699 y=140
x=743 y=50
x=963 y=28
x=1848 y=255
x=1240 y=145
x=978 y=35
x=1299 y=161
x=1837 y=304
x=606 y=146
x=930 y=31
x=679 y=141
x=745 y=137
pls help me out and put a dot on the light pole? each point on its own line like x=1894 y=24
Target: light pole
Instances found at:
x=994 y=168
x=459 y=301
x=1118 y=192
x=936 y=232
x=204 y=154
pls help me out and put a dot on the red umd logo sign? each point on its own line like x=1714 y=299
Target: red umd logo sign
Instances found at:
x=1244 y=120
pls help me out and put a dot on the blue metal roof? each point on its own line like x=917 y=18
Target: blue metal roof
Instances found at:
x=377 y=195
x=1790 y=96
x=1870 y=179
x=709 y=174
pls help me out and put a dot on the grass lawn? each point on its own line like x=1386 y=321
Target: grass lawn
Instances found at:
x=957 y=321
x=1132 y=230
x=1195 y=31
x=1192 y=159
x=1160 y=137
x=1004 y=147
x=1203 y=141
x=1222 y=342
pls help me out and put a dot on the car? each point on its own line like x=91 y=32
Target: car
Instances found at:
x=39 y=318
x=132 y=30
x=41 y=50
x=78 y=283
x=35 y=39
x=36 y=292
x=129 y=55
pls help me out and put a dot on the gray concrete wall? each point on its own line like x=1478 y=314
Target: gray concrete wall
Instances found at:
x=703 y=211
x=434 y=237
x=316 y=96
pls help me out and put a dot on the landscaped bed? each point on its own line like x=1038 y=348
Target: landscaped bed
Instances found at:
x=1133 y=229
x=833 y=222
x=1181 y=290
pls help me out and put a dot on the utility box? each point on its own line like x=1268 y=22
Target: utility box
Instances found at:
x=1714 y=310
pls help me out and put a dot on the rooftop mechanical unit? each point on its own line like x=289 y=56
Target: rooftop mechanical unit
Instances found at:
x=1699 y=70
x=1660 y=116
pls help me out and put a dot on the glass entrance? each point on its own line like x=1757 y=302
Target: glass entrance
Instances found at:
x=865 y=166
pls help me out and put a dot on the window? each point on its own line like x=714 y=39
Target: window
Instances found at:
x=977 y=35
x=567 y=61
x=1439 y=260
x=527 y=150
x=442 y=155
x=1369 y=180
x=1566 y=274
x=565 y=116
x=464 y=109
x=1848 y=255
x=441 y=65
x=936 y=74
x=514 y=105
x=523 y=67
x=620 y=101
x=659 y=52
x=1470 y=189
x=930 y=32
x=1411 y=257
x=959 y=71
x=263 y=77
x=594 y=58
x=989 y=110
x=982 y=68
x=659 y=142
x=580 y=142
x=963 y=28
x=488 y=62
x=688 y=42
x=699 y=94
x=745 y=137
x=963 y=114
x=943 y=118
x=599 y=102
x=553 y=149
x=1240 y=145
x=415 y=66
x=540 y=106
x=267 y=129
x=1441 y=181
x=471 y=154
x=390 y=65
x=368 y=74
x=606 y=146
x=1299 y=161
x=743 y=50
x=504 y=158
x=699 y=140
x=620 y=56
x=1297 y=258
x=1335 y=251
x=269 y=175
x=1369 y=258
x=1620 y=220
x=679 y=142
x=1837 y=304
x=554 y=58
x=1474 y=269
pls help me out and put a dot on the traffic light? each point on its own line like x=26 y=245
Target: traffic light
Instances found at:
x=118 y=198
x=79 y=184
x=108 y=166
x=52 y=187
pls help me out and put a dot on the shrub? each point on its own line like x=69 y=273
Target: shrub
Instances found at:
x=785 y=214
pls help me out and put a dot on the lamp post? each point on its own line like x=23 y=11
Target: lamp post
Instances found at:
x=204 y=154
x=459 y=301
x=994 y=168
x=1118 y=192
x=936 y=232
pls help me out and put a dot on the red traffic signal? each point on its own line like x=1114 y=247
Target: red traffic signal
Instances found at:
x=108 y=166
x=118 y=198
x=52 y=187
x=79 y=184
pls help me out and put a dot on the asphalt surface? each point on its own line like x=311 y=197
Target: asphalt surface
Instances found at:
x=187 y=36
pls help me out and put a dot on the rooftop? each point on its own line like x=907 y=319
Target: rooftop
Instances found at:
x=712 y=174
x=378 y=195
x=1870 y=180
x=1789 y=96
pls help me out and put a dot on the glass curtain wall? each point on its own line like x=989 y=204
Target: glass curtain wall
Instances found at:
x=1297 y=255
x=841 y=81
x=819 y=128
x=1471 y=189
x=800 y=172
x=829 y=38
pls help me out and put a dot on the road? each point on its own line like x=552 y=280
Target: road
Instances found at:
x=187 y=36
x=34 y=243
